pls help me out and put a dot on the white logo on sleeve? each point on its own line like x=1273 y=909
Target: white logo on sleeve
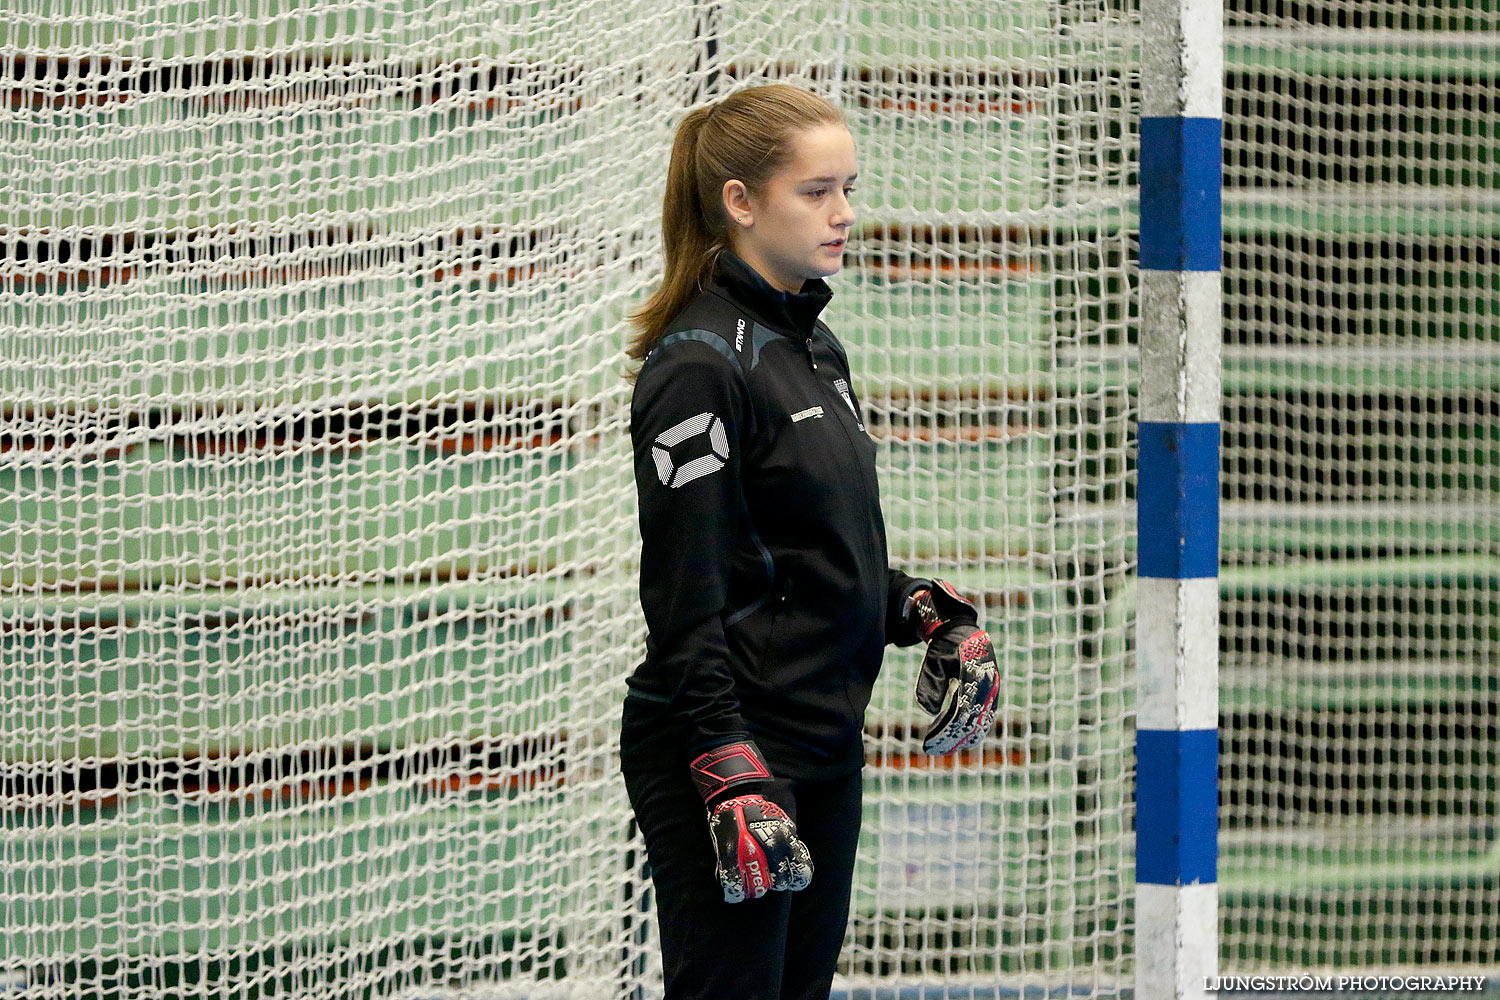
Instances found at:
x=677 y=474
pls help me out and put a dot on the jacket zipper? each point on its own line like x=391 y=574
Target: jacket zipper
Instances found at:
x=867 y=476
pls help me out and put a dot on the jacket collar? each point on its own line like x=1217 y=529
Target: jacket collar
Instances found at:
x=794 y=312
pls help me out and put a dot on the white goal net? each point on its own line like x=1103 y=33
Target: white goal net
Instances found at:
x=317 y=527
x=1360 y=560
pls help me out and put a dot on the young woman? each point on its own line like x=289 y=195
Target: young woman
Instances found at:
x=764 y=577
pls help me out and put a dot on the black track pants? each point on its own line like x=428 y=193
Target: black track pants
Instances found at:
x=783 y=946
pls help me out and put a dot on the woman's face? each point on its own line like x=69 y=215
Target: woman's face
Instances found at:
x=785 y=234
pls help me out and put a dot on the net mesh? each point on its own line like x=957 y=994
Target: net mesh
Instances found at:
x=1361 y=589
x=317 y=527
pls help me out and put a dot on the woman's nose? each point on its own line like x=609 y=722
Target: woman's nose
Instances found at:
x=846 y=212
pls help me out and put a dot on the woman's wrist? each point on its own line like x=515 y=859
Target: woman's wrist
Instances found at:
x=728 y=771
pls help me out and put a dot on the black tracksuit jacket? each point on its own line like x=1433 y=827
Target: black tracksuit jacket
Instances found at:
x=764 y=578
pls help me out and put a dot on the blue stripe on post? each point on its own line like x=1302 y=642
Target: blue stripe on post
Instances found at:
x=1176 y=806
x=1177 y=499
x=1181 y=176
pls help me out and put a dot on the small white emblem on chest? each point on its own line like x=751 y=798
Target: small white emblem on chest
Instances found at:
x=811 y=411
x=843 y=388
x=739 y=335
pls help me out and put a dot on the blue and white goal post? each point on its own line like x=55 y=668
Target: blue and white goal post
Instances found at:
x=1177 y=616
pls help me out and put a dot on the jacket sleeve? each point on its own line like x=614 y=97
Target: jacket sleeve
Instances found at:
x=898 y=631
x=687 y=413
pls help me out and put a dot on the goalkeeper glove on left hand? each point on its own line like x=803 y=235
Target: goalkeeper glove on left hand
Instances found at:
x=959 y=683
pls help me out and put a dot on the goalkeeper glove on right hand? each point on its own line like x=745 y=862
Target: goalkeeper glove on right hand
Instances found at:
x=754 y=840
x=959 y=683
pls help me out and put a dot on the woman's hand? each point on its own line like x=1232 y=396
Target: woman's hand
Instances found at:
x=755 y=842
x=959 y=683
x=758 y=849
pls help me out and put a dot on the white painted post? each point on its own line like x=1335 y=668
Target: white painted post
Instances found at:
x=1177 y=623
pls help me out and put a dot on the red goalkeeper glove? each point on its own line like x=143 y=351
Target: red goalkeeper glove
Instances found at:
x=959 y=683
x=755 y=841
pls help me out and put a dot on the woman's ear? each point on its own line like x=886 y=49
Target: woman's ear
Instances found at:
x=737 y=203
